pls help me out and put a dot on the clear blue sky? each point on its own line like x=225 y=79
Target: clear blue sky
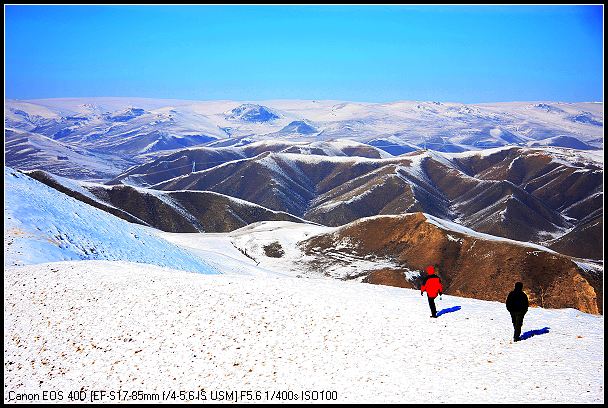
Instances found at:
x=360 y=53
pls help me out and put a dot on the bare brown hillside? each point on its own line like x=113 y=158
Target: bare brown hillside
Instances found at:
x=469 y=265
x=174 y=211
x=518 y=193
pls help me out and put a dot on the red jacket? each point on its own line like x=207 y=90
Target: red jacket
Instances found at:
x=432 y=284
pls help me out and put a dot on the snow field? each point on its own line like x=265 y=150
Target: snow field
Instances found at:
x=110 y=325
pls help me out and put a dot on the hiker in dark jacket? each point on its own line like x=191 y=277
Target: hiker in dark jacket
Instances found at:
x=517 y=305
x=432 y=286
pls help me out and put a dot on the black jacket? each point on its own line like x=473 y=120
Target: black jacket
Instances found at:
x=517 y=301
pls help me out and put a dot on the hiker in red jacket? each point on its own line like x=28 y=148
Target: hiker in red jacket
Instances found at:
x=432 y=286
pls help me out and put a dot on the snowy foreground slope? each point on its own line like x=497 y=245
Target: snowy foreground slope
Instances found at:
x=44 y=225
x=101 y=325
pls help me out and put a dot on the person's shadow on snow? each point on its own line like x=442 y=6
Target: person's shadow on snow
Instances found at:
x=449 y=310
x=532 y=333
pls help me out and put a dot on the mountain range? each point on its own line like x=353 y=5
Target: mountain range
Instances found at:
x=135 y=129
x=517 y=186
x=62 y=221
x=542 y=195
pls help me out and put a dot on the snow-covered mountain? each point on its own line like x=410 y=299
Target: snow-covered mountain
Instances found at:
x=300 y=127
x=470 y=264
x=134 y=127
x=267 y=153
x=250 y=112
x=127 y=130
x=393 y=250
x=185 y=161
x=31 y=151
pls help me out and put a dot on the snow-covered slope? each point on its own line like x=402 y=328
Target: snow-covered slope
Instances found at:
x=270 y=247
x=98 y=325
x=44 y=225
x=28 y=151
x=246 y=251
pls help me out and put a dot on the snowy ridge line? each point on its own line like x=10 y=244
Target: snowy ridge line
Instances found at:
x=312 y=144
x=70 y=184
x=594 y=195
x=165 y=198
x=415 y=166
x=443 y=224
x=492 y=183
x=334 y=202
x=26 y=132
x=421 y=180
x=483 y=214
x=309 y=158
x=562 y=155
x=451 y=226
x=316 y=158
x=440 y=157
x=78 y=186
x=222 y=164
x=46 y=149
x=444 y=158
x=163 y=194
x=271 y=162
x=595 y=156
x=235 y=199
x=304 y=157
x=203 y=147
x=590 y=265
x=157 y=172
x=555 y=170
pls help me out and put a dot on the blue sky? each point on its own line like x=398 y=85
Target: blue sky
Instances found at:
x=361 y=53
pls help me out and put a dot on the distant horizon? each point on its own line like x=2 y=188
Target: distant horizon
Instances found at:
x=298 y=99
x=378 y=54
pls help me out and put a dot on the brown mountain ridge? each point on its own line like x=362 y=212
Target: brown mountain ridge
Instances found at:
x=171 y=211
x=518 y=193
x=470 y=264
